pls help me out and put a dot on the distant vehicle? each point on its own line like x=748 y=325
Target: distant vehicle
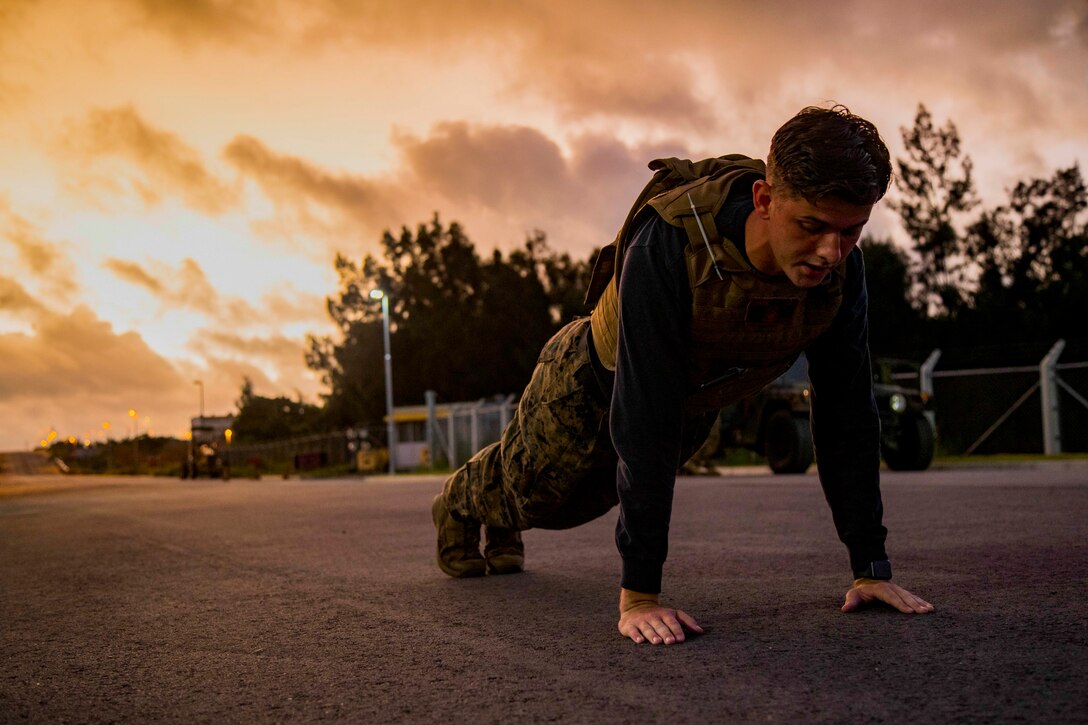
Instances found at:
x=775 y=423
x=209 y=438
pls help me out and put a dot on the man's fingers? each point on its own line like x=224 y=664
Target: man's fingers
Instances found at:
x=891 y=594
x=669 y=629
x=921 y=606
x=894 y=596
x=688 y=621
x=649 y=630
x=631 y=632
x=658 y=627
x=906 y=602
x=853 y=601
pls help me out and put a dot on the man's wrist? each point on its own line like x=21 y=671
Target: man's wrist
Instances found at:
x=630 y=599
x=879 y=570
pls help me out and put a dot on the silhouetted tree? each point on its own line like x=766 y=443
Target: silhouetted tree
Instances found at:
x=266 y=419
x=935 y=188
x=894 y=323
x=1033 y=252
x=462 y=326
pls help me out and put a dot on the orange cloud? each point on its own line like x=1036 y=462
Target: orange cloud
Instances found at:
x=78 y=355
x=500 y=181
x=133 y=273
x=203 y=20
x=44 y=260
x=294 y=306
x=163 y=162
x=75 y=371
x=186 y=287
x=285 y=355
x=316 y=200
x=16 y=301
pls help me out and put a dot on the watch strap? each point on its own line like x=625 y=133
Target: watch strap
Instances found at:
x=876 y=570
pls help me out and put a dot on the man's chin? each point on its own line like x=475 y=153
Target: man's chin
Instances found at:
x=805 y=277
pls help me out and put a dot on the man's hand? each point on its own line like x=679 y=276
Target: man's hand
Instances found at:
x=642 y=618
x=867 y=591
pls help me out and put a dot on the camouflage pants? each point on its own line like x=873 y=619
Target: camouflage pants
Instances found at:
x=555 y=466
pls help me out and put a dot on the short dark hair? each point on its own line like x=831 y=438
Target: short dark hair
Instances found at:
x=829 y=152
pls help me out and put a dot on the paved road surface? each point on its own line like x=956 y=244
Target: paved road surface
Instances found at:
x=143 y=599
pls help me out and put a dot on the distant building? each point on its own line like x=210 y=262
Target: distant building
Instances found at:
x=448 y=433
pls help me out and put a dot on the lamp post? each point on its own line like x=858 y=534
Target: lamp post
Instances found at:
x=190 y=462
x=391 y=431
x=135 y=441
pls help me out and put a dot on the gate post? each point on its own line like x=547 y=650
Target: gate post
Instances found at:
x=1048 y=388
x=925 y=385
x=431 y=399
x=475 y=429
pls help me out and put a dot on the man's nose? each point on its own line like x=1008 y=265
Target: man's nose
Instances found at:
x=829 y=248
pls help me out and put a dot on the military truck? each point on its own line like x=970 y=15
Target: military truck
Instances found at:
x=775 y=423
x=209 y=438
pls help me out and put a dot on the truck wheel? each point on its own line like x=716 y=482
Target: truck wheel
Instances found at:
x=788 y=443
x=913 y=451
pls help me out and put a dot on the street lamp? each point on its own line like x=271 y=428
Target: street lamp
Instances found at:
x=201 y=384
x=391 y=431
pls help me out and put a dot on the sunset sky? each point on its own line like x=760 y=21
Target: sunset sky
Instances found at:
x=176 y=177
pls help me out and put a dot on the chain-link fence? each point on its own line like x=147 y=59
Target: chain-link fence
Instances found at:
x=292 y=455
x=1040 y=408
x=429 y=437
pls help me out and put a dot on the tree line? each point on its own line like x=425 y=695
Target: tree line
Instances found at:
x=986 y=284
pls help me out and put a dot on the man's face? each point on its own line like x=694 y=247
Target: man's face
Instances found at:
x=808 y=239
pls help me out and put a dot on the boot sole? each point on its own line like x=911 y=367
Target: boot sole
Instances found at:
x=505 y=565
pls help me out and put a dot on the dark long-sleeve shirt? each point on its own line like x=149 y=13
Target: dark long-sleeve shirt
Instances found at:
x=650 y=385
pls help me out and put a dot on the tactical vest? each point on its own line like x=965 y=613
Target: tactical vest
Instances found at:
x=747 y=327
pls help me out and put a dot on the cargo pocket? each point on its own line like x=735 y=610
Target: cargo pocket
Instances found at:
x=560 y=418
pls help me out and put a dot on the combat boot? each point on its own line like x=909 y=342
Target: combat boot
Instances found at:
x=504 y=551
x=458 y=542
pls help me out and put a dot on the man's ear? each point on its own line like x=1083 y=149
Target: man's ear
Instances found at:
x=761 y=197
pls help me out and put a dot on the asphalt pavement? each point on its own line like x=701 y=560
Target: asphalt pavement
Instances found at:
x=139 y=599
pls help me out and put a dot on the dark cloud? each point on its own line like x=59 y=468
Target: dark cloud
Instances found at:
x=514 y=168
x=517 y=178
x=165 y=163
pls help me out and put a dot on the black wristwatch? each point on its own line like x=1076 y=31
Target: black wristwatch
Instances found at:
x=875 y=570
